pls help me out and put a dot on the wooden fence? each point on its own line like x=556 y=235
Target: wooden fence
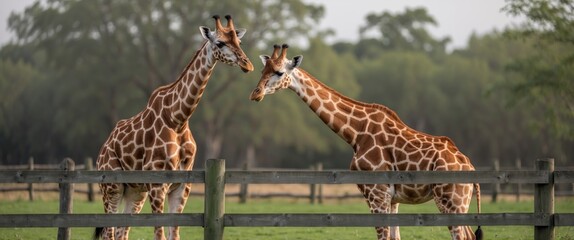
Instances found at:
x=31 y=189
x=214 y=219
x=314 y=195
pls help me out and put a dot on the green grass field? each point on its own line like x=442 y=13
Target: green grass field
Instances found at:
x=195 y=205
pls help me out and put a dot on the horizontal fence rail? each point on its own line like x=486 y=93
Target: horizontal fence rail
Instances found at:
x=214 y=219
x=386 y=177
x=284 y=177
x=285 y=220
x=101 y=220
x=372 y=220
x=563 y=176
x=59 y=176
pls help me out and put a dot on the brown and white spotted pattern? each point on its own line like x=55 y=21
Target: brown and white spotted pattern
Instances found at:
x=381 y=142
x=158 y=138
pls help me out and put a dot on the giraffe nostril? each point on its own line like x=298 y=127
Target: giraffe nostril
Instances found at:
x=257 y=90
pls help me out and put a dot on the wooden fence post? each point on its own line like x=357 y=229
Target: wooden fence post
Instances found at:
x=312 y=193
x=320 y=186
x=243 y=188
x=30 y=186
x=249 y=163
x=316 y=190
x=496 y=186
x=214 y=199
x=90 y=166
x=66 y=190
x=518 y=165
x=544 y=200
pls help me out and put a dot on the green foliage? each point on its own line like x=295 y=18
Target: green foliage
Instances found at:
x=552 y=20
x=404 y=31
x=77 y=67
x=16 y=79
x=515 y=117
x=104 y=58
x=548 y=70
x=398 y=75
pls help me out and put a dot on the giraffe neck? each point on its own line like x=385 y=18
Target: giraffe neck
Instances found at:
x=334 y=109
x=183 y=95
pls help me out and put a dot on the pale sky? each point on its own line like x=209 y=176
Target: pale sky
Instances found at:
x=455 y=18
x=6 y=7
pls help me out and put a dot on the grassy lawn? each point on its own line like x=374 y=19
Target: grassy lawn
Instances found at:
x=195 y=205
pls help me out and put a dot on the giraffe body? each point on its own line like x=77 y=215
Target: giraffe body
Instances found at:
x=380 y=141
x=159 y=139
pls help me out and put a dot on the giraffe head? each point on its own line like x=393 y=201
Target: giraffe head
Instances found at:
x=224 y=43
x=276 y=73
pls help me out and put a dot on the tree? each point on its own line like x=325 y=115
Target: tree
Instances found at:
x=403 y=31
x=15 y=81
x=495 y=126
x=400 y=80
x=106 y=57
x=548 y=71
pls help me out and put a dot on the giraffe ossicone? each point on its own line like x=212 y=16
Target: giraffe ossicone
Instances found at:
x=159 y=139
x=380 y=141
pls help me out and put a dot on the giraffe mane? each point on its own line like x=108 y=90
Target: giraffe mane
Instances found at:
x=179 y=79
x=185 y=69
x=389 y=112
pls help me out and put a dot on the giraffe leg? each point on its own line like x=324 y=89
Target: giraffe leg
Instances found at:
x=454 y=198
x=111 y=195
x=379 y=200
x=177 y=199
x=395 y=234
x=156 y=196
x=134 y=199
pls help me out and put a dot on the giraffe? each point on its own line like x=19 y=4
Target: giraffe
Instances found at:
x=158 y=137
x=380 y=141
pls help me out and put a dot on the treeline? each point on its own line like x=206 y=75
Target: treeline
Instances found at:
x=77 y=67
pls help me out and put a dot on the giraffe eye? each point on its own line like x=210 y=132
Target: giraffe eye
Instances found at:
x=279 y=73
x=220 y=44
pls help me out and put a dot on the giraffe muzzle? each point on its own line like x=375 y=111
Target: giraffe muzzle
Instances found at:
x=257 y=95
x=246 y=65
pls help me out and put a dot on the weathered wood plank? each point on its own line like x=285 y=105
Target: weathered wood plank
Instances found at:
x=563 y=219
x=66 y=191
x=100 y=220
x=30 y=185
x=325 y=177
x=214 y=208
x=282 y=220
x=371 y=220
x=49 y=176
x=90 y=167
x=563 y=176
x=544 y=201
x=406 y=177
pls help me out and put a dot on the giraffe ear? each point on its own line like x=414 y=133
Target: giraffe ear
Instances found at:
x=264 y=59
x=296 y=62
x=206 y=33
x=240 y=32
